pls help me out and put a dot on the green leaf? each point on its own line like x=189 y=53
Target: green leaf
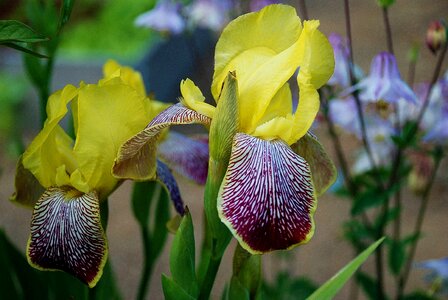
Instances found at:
x=24 y=49
x=368 y=285
x=332 y=286
x=222 y=130
x=287 y=287
x=172 y=291
x=397 y=256
x=182 y=257
x=12 y=31
x=372 y=197
x=66 y=10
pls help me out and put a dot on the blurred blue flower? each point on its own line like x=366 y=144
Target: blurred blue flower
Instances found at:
x=165 y=17
x=379 y=132
x=343 y=113
x=438 y=270
x=341 y=50
x=384 y=82
x=435 y=119
x=211 y=14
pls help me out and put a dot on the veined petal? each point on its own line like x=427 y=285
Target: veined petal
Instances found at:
x=28 y=188
x=322 y=168
x=167 y=179
x=108 y=115
x=52 y=146
x=136 y=158
x=307 y=108
x=262 y=59
x=185 y=155
x=267 y=197
x=192 y=98
x=66 y=234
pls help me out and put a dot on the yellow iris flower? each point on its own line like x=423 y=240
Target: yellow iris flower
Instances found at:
x=76 y=176
x=268 y=195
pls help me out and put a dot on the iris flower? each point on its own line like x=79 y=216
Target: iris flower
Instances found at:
x=65 y=180
x=268 y=196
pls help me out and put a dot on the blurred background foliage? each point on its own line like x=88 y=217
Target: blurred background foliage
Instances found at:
x=97 y=28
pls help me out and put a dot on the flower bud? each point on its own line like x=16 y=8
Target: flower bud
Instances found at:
x=423 y=166
x=436 y=36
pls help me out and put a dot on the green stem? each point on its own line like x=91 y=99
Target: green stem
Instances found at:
x=148 y=264
x=418 y=225
x=209 y=278
x=386 y=20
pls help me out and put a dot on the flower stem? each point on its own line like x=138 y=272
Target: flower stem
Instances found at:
x=386 y=20
x=209 y=278
x=148 y=264
x=303 y=9
x=418 y=225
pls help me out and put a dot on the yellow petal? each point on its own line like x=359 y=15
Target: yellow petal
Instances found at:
x=316 y=54
x=280 y=105
x=192 y=98
x=262 y=48
x=129 y=76
x=108 y=115
x=51 y=147
x=276 y=128
x=308 y=105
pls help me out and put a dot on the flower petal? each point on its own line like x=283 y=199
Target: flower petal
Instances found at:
x=186 y=156
x=322 y=168
x=316 y=54
x=192 y=98
x=28 y=188
x=136 y=158
x=263 y=59
x=167 y=179
x=51 y=148
x=267 y=197
x=308 y=105
x=66 y=234
x=108 y=114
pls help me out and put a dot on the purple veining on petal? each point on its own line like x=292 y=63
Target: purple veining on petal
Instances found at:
x=137 y=156
x=186 y=156
x=168 y=180
x=66 y=234
x=267 y=198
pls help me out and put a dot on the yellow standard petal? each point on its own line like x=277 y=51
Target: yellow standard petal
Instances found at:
x=52 y=147
x=307 y=108
x=192 y=98
x=129 y=76
x=316 y=54
x=108 y=115
x=262 y=58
